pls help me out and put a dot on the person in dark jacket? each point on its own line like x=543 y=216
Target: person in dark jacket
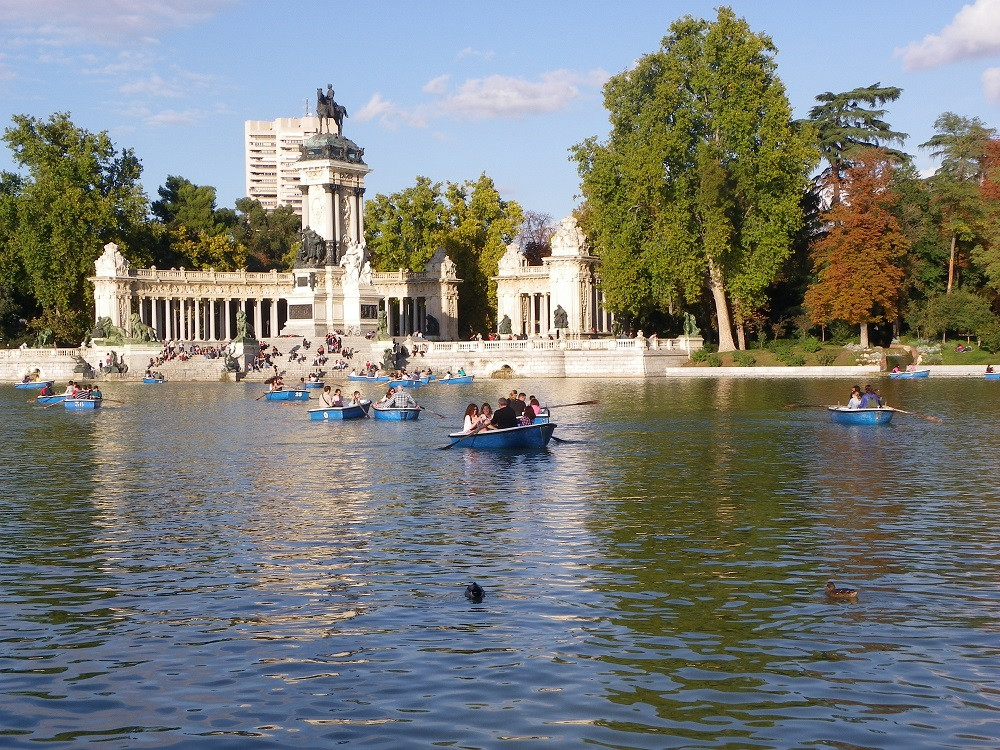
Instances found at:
x=504 y=417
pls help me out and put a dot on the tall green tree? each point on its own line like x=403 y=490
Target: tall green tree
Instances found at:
x=269 y=236
x=857 y=261
x=469 y=220
x=960 y=143
x=849 y=122
x=700 y=181
x=198 y=235
x=482 y=225
x=404 y=229
x=77 y=193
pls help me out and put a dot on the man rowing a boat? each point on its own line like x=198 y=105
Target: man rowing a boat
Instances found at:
x=397 y=398
x=504 y=416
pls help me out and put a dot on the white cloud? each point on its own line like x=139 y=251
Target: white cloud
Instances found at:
x=991 y=84
x=390 y=115
x=510 y=97
x=105 y=21
x=173 y=117
x=153 y=86
x=472 y=52
x=436 y=85
x=485 y=98
x=973 y=33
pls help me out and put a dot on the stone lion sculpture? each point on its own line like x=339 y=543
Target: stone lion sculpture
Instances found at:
x=141 y=331
x=105 y=331
x=244 y=331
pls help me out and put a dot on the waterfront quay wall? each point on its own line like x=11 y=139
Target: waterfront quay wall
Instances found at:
x=52 y=364
x=547 y=358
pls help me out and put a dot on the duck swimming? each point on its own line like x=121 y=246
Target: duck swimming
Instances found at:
x=474 y=592
x=842 y=594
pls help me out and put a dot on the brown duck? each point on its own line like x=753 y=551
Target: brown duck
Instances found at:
x=840 y=594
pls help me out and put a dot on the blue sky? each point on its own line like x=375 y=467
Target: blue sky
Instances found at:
x=448 y=90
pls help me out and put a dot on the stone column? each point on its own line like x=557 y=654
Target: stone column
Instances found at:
x=258 y=323
x=155 y=318
x=198 y=304
x=274 y=316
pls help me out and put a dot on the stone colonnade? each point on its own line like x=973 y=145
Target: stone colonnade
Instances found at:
x=209 y=319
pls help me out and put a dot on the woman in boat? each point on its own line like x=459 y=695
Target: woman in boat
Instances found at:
x=527 y=417
x=46 y=390
x=95 y=393
x=535 y=406
x=485 y=414
x=338 y=398
x=855 y=401
x=356 y=401
x=471 y=418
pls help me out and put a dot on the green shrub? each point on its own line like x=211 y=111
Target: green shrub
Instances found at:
x=795 y=360
x=826 y=357
x=989 y=338
x=700 y=355
x=842 y=333
x=744 y=359
x=811 y=344
x=713 y=360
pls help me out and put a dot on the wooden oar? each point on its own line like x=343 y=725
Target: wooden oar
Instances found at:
x=578 y=403
x=261 y=396
x=916 y=414
x=561 y=440
x=452 y=445
x=807 y=406
x=424 y=408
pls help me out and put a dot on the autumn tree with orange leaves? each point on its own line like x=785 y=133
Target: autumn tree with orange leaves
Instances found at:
x=987 y=254
x=858 y=276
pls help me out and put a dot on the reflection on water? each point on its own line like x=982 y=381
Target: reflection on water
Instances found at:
x=196 y=564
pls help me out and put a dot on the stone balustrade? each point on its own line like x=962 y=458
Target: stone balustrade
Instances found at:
x=679 y=344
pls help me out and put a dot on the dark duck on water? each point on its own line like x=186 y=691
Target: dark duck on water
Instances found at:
x=474 y=592
x=840 y=594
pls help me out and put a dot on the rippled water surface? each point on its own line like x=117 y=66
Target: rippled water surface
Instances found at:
x=197 y=568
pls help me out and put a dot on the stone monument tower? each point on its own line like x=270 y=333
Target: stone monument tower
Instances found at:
x=332 y=273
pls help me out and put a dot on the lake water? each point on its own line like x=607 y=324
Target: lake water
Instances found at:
x=196 y=568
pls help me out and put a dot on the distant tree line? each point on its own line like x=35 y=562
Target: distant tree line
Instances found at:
x=702 y=199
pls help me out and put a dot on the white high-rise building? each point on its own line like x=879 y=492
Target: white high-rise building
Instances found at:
x=272 y=148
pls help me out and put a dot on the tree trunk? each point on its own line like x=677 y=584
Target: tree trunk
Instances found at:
x=864 y=335
x=741 y=337
x=715 y=283
x=951 y=265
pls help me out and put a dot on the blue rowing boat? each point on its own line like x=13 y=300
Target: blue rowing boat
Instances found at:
x=53 y=399
x=369 y=378
x=908 y=375
x=992 y=376
x=527 y=436
x=287 y=395
x=33 y=385
x=314 y=384
x=843 y=415
x=396 y=413
x=82 y=404
x=457 y=380
x=338 y=413
x=409 y=382
x=154 y=381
